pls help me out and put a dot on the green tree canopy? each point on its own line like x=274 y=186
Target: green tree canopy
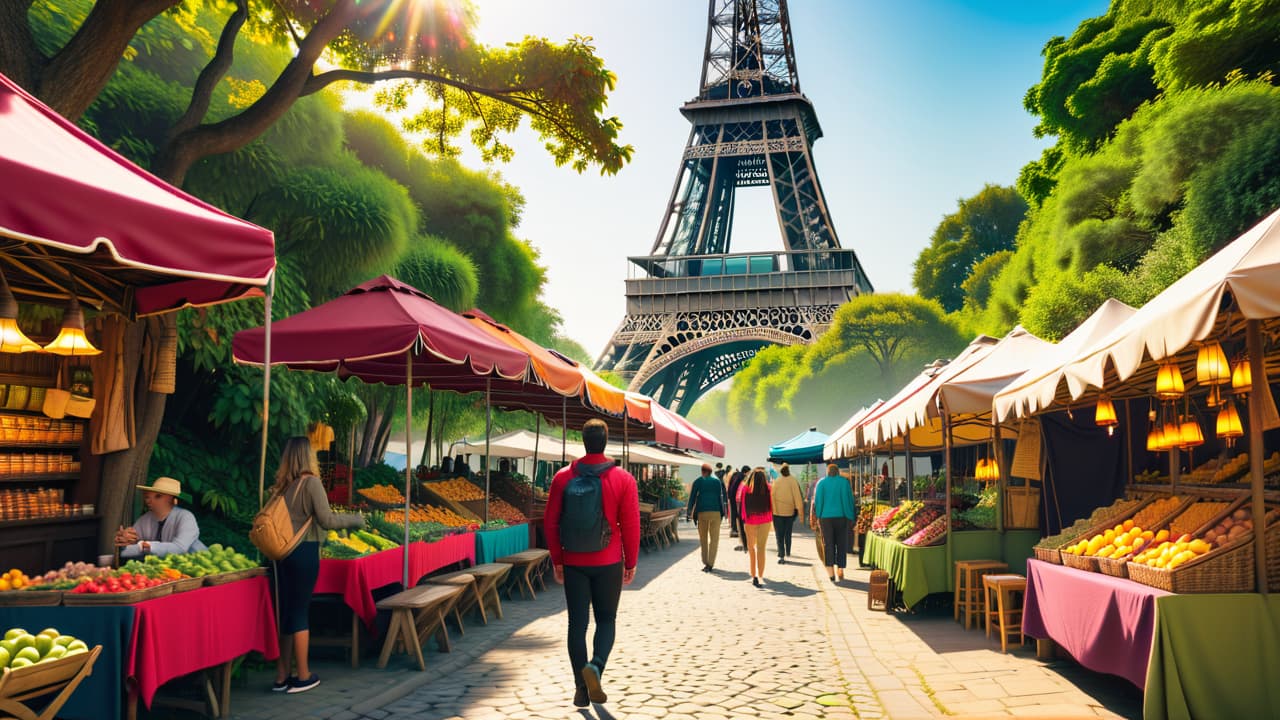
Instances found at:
x=984 y=224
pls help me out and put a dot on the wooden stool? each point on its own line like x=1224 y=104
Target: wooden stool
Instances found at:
x=878 y=590
x=968 y=596
x=416 y=613
x=1001 y=606
x=527 y=567
x=489 y=578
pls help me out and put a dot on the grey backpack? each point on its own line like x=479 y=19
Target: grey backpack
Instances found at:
x=583 y=525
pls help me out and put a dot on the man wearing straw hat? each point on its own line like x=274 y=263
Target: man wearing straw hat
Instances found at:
x=165 y=528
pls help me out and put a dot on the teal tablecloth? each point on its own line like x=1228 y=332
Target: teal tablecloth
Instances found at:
x=1214 y=656
x=101 y=695
x=492 y=544
x=918 y=571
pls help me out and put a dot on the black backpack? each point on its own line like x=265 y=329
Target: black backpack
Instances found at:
x=583 y=525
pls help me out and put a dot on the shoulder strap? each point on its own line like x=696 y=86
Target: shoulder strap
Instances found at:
x=306 y=525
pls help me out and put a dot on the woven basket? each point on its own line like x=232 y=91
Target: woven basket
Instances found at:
x=185 y=584
x=230 y=577
x=30 y=598
x=1080 y=562
x=1049 y=555
x=1226 y=570
x=878 y=590
x=121 y=598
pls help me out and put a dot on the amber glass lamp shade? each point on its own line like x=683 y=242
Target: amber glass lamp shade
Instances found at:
x=1229 y=425
x=1169 y=382
x=71 y=340
x=1189 y=433
x=12 y=339
x=1154 y=438
x=1211 y=365
x=1170 y=435
x=1242 y=376
x=1105 y=414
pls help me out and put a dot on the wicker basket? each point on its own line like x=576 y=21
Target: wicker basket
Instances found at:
x=30 y=598
x=1049 y=555
x=120 y=598
x=878 y=590
x=185 y=584
x=230 y=577
x=1080 y=562
x=1226 y=570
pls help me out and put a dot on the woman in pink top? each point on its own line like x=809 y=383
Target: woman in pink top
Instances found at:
x=756 y=500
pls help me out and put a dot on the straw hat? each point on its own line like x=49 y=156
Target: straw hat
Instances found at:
x=164 y=486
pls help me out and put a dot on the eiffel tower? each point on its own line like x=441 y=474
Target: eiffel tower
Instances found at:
x=696 y=312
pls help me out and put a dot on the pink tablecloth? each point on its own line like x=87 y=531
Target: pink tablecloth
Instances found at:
x=1106 y=623
x=180 y=634
x=355 y=580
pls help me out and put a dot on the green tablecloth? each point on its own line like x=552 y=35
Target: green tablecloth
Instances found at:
x=918 y=572
x=492 y=544
x=1214 y=656
x=101 y=695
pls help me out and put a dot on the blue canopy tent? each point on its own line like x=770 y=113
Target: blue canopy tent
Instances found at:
x=803 y=448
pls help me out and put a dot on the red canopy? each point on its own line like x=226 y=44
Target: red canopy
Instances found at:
x=68 y=196
x=368 y=333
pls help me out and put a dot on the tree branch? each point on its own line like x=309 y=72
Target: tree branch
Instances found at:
x=20 y=58
x=212 y=74
x=368 y=77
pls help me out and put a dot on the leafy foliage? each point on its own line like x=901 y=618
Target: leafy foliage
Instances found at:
x=984 y=224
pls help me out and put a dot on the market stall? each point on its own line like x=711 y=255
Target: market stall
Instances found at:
x=1188 y=361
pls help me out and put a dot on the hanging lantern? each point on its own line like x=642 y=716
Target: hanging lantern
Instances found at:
x=1170 y=433
x=1154 y=439
x=1211 y=365
x=1229 y=426
x=980 y=470
x=1189 y=433
x=1242 y=376
x=12 y=339
x=1104 y=415
x=71 y=340
x=1169 y=382
x=993 y=469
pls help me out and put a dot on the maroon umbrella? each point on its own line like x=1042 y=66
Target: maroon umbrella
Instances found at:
x=137 y=244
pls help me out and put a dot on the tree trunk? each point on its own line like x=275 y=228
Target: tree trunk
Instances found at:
x=122 y=470
x=379 y=445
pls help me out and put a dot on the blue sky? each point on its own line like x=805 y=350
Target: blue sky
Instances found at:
x=920 y=103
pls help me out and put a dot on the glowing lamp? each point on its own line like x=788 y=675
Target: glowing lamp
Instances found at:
x=71 y=339
x=12 y=339
x=1105 y=414
x=1170 y=435
x=1211 y=365
x=1169 y=382
x=1229 y=426
x=1154 y=438
x=1242 y=376
x=980 y=470
x=1189 y=433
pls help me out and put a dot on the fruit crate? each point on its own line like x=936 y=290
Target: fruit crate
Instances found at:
x=120 y=598
x=30 y=598
x=1089 y=562
x=1228 y=569
x=1054 y=554
x=463 y=509
x=1118 y=567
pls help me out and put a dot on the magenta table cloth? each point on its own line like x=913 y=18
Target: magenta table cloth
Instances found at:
x=1106 y=623
x=179 y=634
x=356 y=579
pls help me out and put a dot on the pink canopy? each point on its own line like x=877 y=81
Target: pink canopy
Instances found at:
x=368 y=333
x=136 y=244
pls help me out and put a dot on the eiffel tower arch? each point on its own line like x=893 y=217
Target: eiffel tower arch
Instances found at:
x=696 y=311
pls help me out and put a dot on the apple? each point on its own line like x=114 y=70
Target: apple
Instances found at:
x=9 y=646
x=24 y=641
x=19 y=663
x=63 y=640
x=13 y=633
x=4 y=658
x=29 y=653
x=77 y=645
x=54 y=653
x=51 y=632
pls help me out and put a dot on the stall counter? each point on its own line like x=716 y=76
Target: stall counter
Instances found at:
x=919 y=571
x=492 y=544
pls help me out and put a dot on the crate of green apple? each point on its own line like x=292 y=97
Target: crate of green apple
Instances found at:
x=20 y=649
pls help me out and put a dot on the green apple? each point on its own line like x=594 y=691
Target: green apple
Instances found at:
x=19 y=663
x=9 y=646
x=51 y=632
x=24 y=641
x=77 y=645
x=75 y=651
x=13 y=633
x=4 y=658
x=29 y=653
x=44 y=644
x=55 y=652
x=63 y=640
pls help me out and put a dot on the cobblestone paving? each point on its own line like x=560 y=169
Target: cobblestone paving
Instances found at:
x=697 y=645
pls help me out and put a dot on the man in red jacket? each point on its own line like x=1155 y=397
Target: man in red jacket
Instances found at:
x=594 y=580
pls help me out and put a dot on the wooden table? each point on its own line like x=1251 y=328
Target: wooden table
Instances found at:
x=525 y=564
x=416 y=613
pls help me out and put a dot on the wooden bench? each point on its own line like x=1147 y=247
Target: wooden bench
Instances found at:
x=488 y=579
x=60 y=676
x=528 y=566
x=469 y=598
x=416 y=613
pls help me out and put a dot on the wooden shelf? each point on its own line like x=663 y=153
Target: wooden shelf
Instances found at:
x=67 y=445
x=55 y=520
x=40 y=477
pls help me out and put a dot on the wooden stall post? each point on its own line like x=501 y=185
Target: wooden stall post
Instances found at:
x=537 y=437
x=946 y=487
x=266 y=388
x=1001 y=466
x=408 y=453
x=911 y=474
x=1253 y=340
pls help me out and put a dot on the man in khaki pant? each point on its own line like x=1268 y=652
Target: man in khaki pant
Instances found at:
x=707 y=502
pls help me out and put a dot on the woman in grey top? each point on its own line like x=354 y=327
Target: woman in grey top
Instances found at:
x=298 y=480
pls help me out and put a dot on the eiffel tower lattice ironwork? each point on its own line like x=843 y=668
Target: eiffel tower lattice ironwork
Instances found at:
x=696 y=312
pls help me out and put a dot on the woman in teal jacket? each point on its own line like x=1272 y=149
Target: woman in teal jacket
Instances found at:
x=833 y=506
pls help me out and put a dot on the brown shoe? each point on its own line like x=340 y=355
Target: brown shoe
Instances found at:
x=580 y=697
x=591 y=676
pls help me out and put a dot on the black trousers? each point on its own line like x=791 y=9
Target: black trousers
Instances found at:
x=597 y=588
x=782 y=527
x=835 y=536
x=296 y=581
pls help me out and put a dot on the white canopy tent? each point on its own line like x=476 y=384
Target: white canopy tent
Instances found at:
x=522 y=444
x=845 y=441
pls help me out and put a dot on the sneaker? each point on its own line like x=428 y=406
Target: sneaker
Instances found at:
x=738 y=547
x=782 y=561
x=282 y=686
x=580 y=697
x=591 y=676
x=297 y=685
x=755 y=581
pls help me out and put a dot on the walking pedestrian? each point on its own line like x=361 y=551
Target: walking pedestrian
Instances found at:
x=833 y=506
x=787 y=503
x=707 y=502
x=592 y=525
x=298 y=480
x=756 y=500
x=735 y=520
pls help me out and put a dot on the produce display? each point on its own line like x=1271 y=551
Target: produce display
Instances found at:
x=428 y=513
x=931 y=534
x=121 y=581
x=881 y=521
x=501 y=509
x=70 y=571
x=1156 y=511
x=382 y=494
x=15 y=579
x=1099 y=516
x=902 y=519
x=1191 y=519
x=866 y=514
x=1237 y=525
x=920 y=519
x=1170 y=554
x=1118 y=542
x=983 y=514
x=457 y=489
x=217 y=559
x=349 y=544
x=1217 y=470
x=20 y=648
